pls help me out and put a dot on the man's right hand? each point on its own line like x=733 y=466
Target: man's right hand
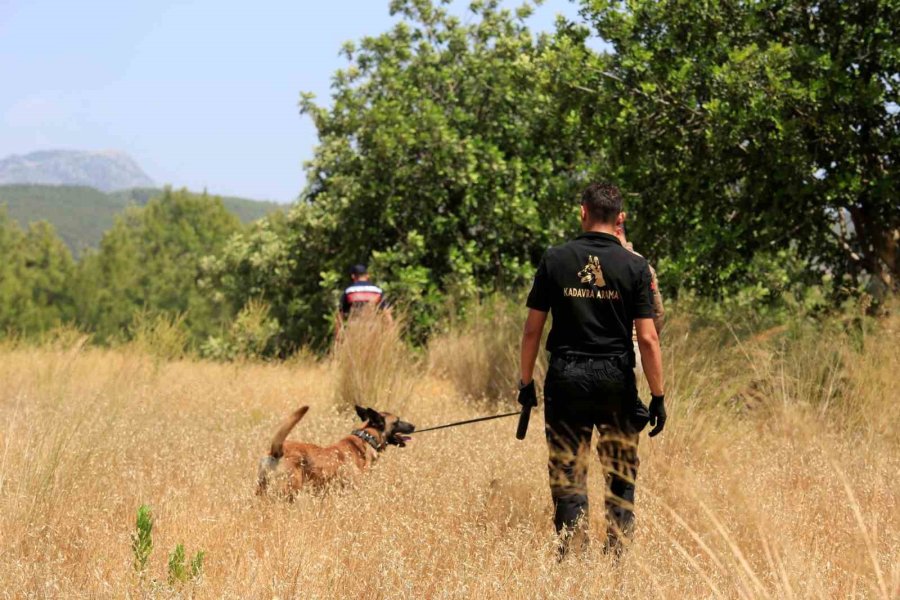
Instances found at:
x=527 y=394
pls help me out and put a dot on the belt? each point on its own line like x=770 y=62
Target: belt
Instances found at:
x=624 y=360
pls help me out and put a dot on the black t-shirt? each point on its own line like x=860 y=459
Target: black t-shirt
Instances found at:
x=594 y=289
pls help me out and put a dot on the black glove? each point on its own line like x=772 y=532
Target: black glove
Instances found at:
x=527 y=395
x=657 y=414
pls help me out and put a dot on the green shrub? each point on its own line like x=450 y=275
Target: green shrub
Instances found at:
x=197 y=564
x=178 y=572
x=248 y=336
x=161 y=335
x=142 y=538
x=142 y=546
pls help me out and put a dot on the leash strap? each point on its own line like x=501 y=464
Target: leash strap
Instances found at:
x=466 y=422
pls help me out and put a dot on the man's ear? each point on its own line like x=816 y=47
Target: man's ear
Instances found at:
x=361 y=412
x=375 y=419
x=620 y=220
x=583 y=212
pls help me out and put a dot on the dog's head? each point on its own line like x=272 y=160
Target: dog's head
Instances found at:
x=390 y=426
x=592 y=272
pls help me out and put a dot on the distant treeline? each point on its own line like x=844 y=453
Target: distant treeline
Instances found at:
x=148 y=265
x=756 y=142
x=81 y=214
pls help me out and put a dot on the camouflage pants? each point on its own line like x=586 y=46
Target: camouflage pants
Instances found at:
x=579 y=396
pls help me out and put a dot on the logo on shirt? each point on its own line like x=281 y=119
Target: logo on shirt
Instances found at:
x=592 y=273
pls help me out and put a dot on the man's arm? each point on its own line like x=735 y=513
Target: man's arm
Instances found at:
x=531 y=343
x=338 y=325
x=651 y=356
x=343 y=306
x=659 y=311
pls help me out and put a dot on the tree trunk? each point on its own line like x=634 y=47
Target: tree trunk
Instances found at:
x=878 y=243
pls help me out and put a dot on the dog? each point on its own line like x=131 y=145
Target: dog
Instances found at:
x=300 y=464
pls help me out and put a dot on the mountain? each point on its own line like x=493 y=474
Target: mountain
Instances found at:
x=81 y=214
x=105 y=171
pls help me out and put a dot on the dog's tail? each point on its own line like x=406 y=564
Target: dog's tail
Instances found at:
x=284 y=430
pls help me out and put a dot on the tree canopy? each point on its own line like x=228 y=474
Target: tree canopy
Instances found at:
x=745 y=135
x=150 y=262
x=35 y=271
x=745 y=127
x=756 y=143
x=445 y=160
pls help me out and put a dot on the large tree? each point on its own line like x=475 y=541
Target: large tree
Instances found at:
x=150 y=262
x=36 y=271
x=744 y=133
x=445 y=159
x=748 y=126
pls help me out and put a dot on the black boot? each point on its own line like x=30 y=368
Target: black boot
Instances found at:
x=619 y=515
x=570 y=514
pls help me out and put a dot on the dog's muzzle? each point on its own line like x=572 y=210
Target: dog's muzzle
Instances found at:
x=397 y=437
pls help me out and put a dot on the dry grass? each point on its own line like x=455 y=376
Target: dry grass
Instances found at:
x=480 y=357
x=371 y=364
x=776 y=477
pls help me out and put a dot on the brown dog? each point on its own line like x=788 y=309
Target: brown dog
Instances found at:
x=307 y=464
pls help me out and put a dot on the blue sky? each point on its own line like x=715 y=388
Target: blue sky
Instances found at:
x=202 y=93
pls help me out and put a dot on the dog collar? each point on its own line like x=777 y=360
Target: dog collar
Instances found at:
x=368 y=438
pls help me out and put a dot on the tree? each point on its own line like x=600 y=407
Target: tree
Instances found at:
x=744 y=134
x=747 y=127
x=36 y=270
x=150 y=263
x=445 y=161
x=10 y=283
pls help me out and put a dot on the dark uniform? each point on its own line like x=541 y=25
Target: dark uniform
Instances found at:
x=359 y=294
x=594 y=289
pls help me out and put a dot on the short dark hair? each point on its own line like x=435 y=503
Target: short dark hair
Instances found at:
x=603 y=202
x=358 y=269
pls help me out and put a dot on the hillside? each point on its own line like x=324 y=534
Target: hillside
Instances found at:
x=105 y=171
x=81 y=214
x=245 y=209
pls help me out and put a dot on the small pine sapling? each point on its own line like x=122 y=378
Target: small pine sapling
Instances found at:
x=142 y=538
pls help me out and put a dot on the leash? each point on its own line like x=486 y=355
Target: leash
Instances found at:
x=466 y=422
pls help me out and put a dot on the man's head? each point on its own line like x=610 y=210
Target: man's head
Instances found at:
x=601 y=207
x=359 y=273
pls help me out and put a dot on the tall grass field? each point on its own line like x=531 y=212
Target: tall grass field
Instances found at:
x=778 y=474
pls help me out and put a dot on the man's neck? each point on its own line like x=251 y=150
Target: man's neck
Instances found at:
x=599 y=228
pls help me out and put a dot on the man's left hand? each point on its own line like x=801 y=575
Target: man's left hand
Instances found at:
x=657 y=414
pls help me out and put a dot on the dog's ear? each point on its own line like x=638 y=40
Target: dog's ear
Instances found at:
x=375 y=419
x=361 y=412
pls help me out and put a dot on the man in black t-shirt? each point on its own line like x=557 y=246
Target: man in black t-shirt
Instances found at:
x=596 y=290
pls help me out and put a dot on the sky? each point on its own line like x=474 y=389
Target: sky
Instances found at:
x=202 y=93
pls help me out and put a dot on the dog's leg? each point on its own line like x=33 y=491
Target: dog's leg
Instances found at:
x=267 y=464
x=296 y=483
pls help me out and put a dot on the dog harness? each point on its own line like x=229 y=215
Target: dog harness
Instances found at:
x=368 y=438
